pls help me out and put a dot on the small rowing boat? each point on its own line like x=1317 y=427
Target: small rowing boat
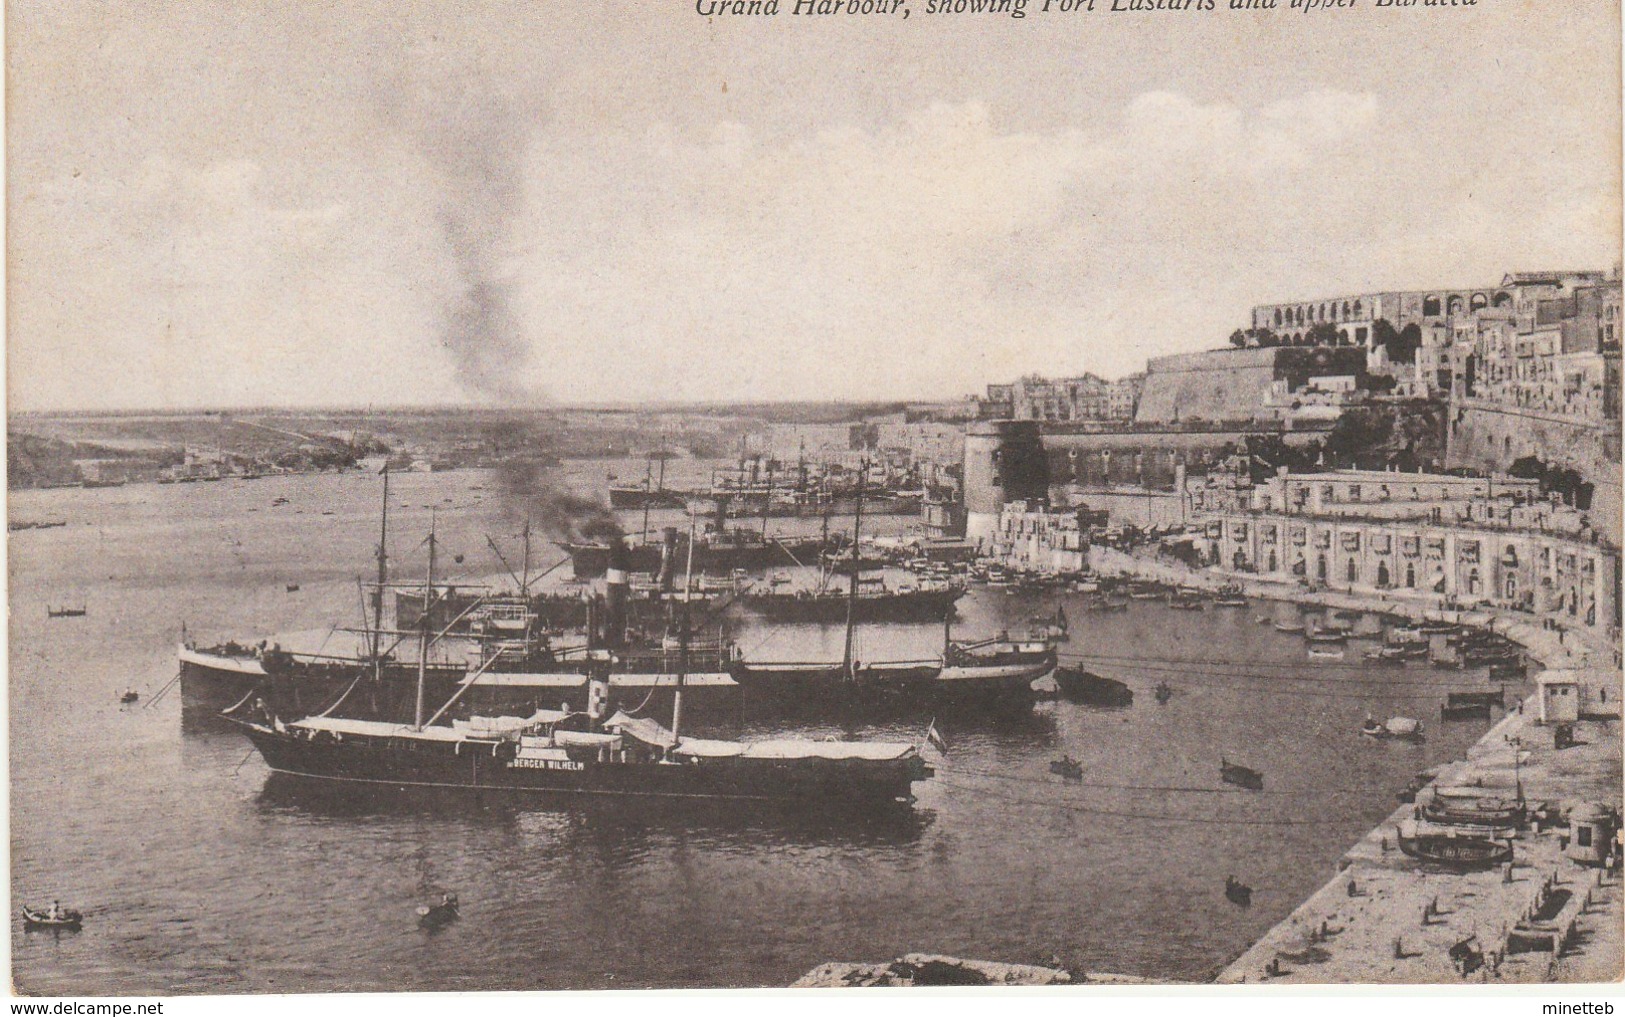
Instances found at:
x=54 y=917
x=1241 y=776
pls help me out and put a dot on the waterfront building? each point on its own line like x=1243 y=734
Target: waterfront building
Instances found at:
x=1444 y=541
x=1033 y=537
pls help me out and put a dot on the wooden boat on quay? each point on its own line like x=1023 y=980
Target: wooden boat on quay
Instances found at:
x=1290 y=627
x=1470 y=807
x=1459 y=851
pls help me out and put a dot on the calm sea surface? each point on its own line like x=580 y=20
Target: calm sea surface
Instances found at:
x=200 y=872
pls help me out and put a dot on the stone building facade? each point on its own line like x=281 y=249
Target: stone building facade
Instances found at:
x=1451 y=541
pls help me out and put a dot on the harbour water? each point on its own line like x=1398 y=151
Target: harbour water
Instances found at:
x=200 y=872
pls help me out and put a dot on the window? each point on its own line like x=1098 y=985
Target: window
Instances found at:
x=1430 y=307
x=1582 y=834
x=1354 y=492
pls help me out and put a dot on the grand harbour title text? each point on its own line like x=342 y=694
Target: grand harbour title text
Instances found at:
x=1021 y=8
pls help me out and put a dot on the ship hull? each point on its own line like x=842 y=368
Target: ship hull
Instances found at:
x=592 y=560
x=481 y=767
x=639 y=497
x=218 y=681
x=920 y=606
x=903 y=684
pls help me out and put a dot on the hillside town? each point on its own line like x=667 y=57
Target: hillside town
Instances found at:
x=1451 y=447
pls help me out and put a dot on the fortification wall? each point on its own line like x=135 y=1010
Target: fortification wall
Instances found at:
x=1217 y=385
x=1492 y=438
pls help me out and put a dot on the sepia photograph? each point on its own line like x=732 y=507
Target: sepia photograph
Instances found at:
x=1110 y=495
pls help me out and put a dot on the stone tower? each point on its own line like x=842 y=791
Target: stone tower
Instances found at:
x=1004 y=462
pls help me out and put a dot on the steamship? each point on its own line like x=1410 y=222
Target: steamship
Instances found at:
x=503 y=656
x=565 y=753
x=715 y=551
x=575 y=752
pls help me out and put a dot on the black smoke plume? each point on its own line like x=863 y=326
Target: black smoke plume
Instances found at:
x=563 y=515
x=475 y=138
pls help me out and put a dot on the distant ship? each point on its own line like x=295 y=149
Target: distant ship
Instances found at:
x=651 y=494
x=714 y=552
x=995 y=671
x=873 y=602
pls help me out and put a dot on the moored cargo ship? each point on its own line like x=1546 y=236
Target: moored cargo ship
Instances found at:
x=559 y=753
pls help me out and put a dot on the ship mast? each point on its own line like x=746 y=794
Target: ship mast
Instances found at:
x=524 y=583
x=648 y=495
x=852 y=589
x=682 y=638
x=767 y=501
x=423 y=631
x=383 y=578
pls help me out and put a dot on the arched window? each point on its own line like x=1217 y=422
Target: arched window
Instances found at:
x=1277 y=317
x=1474 y=583
x=1353 y=571
x=1272 y=561
x=1320 y=569
x=1343 y=336
x=1382 y=574
x=1512 y=587
x=1410 y=576
x=1346 y=308
x=1455 y=305
x=1322 y=312
x=1502 y=299
x=1430 y=307
x=1357 y=309
x=1479 y=302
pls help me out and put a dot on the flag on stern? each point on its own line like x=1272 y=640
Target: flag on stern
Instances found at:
x=934 y=736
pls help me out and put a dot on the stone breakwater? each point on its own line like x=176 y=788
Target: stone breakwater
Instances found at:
x=1386 y=917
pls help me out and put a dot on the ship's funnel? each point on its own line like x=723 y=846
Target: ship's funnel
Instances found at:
x=615 y=592
x=668 y=558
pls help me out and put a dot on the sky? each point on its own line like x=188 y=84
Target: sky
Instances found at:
x=527 y=204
